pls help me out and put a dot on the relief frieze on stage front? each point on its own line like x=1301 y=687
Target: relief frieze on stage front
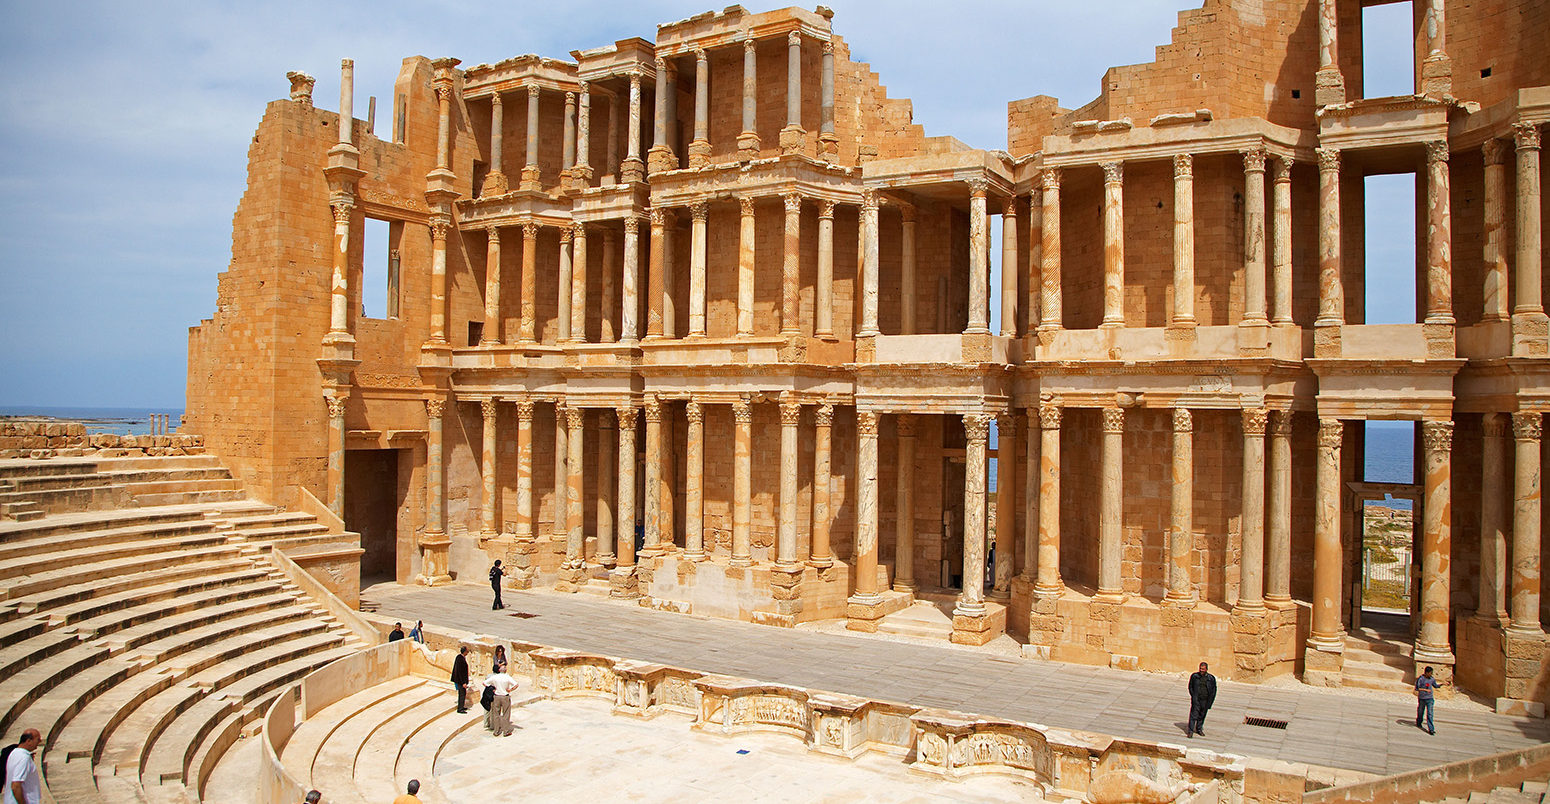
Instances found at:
x=770 y=710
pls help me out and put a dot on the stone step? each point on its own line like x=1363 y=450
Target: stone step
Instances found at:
x=374 y=770
x=144 y=488
x=11 y=468
x=144 y=544
x=128 y=463
x=167 y=474
x=299 y=532
x=98 y=540
x=301 y=750
x=57 y=501
x=335 y=766
x=62 y=525
x=53 y=482
x=44 y=603
x=921 y=619
x=22 y=511
x=1387 y=657
x=175 y=497
x=272 y=519
x=417 y=759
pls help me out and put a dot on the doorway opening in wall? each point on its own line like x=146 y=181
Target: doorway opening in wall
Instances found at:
x=1388 y=48
x=373 y=503
x=1389 y=553
x=1390 y=249
x=379 y=268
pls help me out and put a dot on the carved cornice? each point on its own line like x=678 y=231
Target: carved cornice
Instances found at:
x=1330 y=432
x=1437 y=436
x=1526 y=425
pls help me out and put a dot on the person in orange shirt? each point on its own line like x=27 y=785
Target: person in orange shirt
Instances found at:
x=410 y=797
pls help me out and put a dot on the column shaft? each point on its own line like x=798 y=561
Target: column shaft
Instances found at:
x=699 y=149
x=904 y=495
x=487 y=471
x=575 y=533
x=868 y=264
x=742 y=483
x=1327 y=632
x=823 y=292
x=786 y=546
x=654 y=447
x=1254 y=236
x=1493 y=520
x=562 y=318
x=1439 y=236
x=604 y=490
x=347 y=103
x=578 y=284
x=560 y=513
x=527 y=325
x=524 y=470
x=1526 y=430
x=1251 y=591
x=906 y=271
x=865 y=558
x=584 y=131
x=629 y=282
x=1009 y=269
x=1113 y=244
x=626 y=547
x=1278 y=555
x=750 y=88
x=530 y=174
x=1432 y=643
x=697 y=213
x=1331 y=286
x=1048 y=583
x=439 y=226
x=435 y=479
x=492 y=288
x=568 y=135
x=1494 y=307
x=823 y=420
x=791 y=276
x=497 y=140
x=745 y=266
x=827 y=139
x=794 y=80
x=335 y=403
x=632 y=139
x=979 y=260
x=1006 y=505
x=694 y=491
x=1111 y=506
x=1183 y=241
x=1281 y=252
x=606 y=328
x=1529 y=234
x=1051 y=315
x=655 y=284
x=1181 y=537
x=339 y=299
x=971 y=601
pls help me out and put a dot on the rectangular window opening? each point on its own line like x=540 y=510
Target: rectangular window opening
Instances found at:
x=1388 y=50
x=379 y=268
x=1390 y=249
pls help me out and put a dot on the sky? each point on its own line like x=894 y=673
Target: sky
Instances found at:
x=123 y=144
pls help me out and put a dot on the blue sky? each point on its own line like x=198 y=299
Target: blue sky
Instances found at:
x=123 y=147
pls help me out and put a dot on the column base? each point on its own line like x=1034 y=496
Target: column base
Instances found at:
x=622 y=583
x=786 y=589
x=740 y=563
x=1441 y=661
x=1279 y=603
x=699 y=154
x=495 y=183
x=1524 y=654
x=571 y=579
x=978 y=628
x=1324 y=661
x=660 y=159
x=863 y=611
x=828 y=145
x=531 y=180
x=793 y=140
x=907 y=586
x=999 y=595
x=579 y=177
x=1328 y=87
x=748 y=145
x=1110 y=597
x=632 y=171
x=1180 y=602
x=822 y=562
x=1530 y=334
x=1251 y=642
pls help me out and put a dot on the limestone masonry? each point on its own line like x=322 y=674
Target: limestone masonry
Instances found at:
x=703 y=320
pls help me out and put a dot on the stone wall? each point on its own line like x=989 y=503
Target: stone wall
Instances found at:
x=71 y=440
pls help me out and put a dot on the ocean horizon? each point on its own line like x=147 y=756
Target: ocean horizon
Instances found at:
x=118 y=421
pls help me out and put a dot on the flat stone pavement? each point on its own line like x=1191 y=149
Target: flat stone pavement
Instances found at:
x=1372 y=734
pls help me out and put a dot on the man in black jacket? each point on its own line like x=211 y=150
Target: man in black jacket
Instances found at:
x=1202 y=693
x=496 y=574
x=460 y=677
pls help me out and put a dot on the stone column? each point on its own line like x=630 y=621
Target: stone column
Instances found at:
x=614 y=163
x=575 y=533
x=1278 y=555
x=568 y=137
x=745 y=266
x=697 y=213
x=1048 y=584
x=1254 y=311
x=1113 y=244
x=633 y=169
x=655 y=284
x=971 y=601
x=828 y=141
x=823 y=293
x=1006 y=505
x=578 y=283
x=440 y=224
x=1526 y=427
x=606 y=452
x=1327 y=633
x=699 y=149
x=904 y=494
x=530 y=176
x=443 y=90
x=654 y=448
x=793 y=136
x=626 y=545
x=1331 y=287
x=979 y=260
x=868 y=265
x=1493 y=521
x=742 y=483
x=561 y=507
x=629 y=282
x=1033 y=282
x=1329 y=87
x=339 y=298
x=786 y=547
x=1181 y=536
x=1251 y=589
x=487 y=467
x=562 y=318
x=669 y=278
x=1281 y=250
x=1183 y=241
x=1028 y=430
x=694 y=491
x=492 y=288
x=606 y=303
x=435 y=480
x=662 y=158
x=335 y=402
x=1009 y=269
x=1494 y=295
x=1432 y=645
x=495 y=182
x=791 y=268
x=582 y=170
x=1111 y=506
x=527 y=326
x=1439 y=236
x=1530 y=301
x=865 y=558
x=1051 y=316
x=823 y=420
x=748 y=141
x=524 y=469
x=906 y=270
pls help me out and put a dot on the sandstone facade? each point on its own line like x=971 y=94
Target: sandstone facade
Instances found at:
x=705 y=321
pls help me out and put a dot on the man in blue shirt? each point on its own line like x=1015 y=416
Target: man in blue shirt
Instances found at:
x=1424 y=687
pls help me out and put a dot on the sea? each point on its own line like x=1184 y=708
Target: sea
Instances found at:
x=118 y=421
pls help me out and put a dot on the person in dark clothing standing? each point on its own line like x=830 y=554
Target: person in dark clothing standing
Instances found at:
x=397 y=633
x=1202 y=693
x=496 y=573
x=460 y=677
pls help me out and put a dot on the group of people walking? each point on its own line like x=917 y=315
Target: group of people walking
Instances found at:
x=496 y=696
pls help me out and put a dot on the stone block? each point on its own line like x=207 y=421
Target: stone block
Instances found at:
x=1103 y=612
x=1522 y=668
x=1177 y=617
x=1121 y=662
x=1323 y=661
x=1250 y=643
x=1519 y=647
x=1516 y=708
x=1250 y=623
x=1519 y=688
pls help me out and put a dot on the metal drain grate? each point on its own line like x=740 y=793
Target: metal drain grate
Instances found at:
x=521 y=615
x=1267 y=722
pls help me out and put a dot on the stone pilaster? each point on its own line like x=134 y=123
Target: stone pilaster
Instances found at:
x=823 y=421
x=1111 y=507
x=607 y=333
x=697 y=215
x=745 y=265
x=1181 y=536
x=748 y=141
x=339 y=285
x=1183 y=241
x=655 y=283
x=1254 y=312
x=1432 y=646
x=1051 y=316
x=1113 y=244
x=979 y=260
x=742 y=482
x=904 y=497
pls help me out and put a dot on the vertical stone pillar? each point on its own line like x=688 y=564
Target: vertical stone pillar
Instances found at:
x=1528 y=313
x=697 y=214
x=1526 y=429
x=1278 y=555
x=654 y=448
x=1436 y=68
x=694 y=491
x=655 y=283
x=562 y=318
x=823 y=421
x=613 y=161
x=1432 y=646
x=1033 y=281
x=1047 y=584
x=1009 y=269
x=335 y=402
x=661 y=158
x=495 y=182
x=530 y=175
x=1006 y=505
x=791 y=268
x=633 y=169
x=1113 y=244
x=440 y=224
x=1183 y=241
x=745 y=265
x=669 y=278
x=1111 y=506
x=1251 y=590
x=1439 y=236
x=629 y=283
x=742 y=482
x=568 y=137
x=1331 y=285
x=865 y=558
x=971 y=601
x=786 y=546
x=433 y=545
x=339 y=297
x=904 y=495
x=1281 y=244
x=606 y=329
x=561 y=507
x=524 y=469
x=868 y=264
x=604 y=490
x=699 y=148
x=443 y=90
x=828 y=141
x=793 y=136
x=1327 y=635
x=1051 y=315
x=665 y=513
x=582 y=170
x=1028 y=430
x=823 y=292
x=1254 y=236
x=575 y=524
x=748 y=141
x=1329 y=86
x=1493 y=521
x=492 y=288
x=979 y=260
x=621 y=581
x=906 y=270
x=578 y=283
x=527 y=325
x=487 y=471
x=1494 y=294
x=1181 y=536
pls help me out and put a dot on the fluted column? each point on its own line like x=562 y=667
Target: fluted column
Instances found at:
x=562 y=318
x=742 y=482
x=793 y=136
x=633 y=168
x=868 y=264
x=524 y=469
x=568 y=135
x=1113 y=244
x=492 y=288
x=694 y=481
x=823 y=421
x=904 y=495
x=339 y=286
x=1494 y=486
x=791 y=268
x=823 y=292
x=1006 y=505
x=697 y=214
x=604 y=489
x=487 y=470
x=654 y=448
x=1051 y=315
x=865 y=558
x=906 y=270
x=582 y=170
x=1254 y=236
x=578 y=283
x=748 y=140
x=1530 y=301
x=1251 y=590
x=626 y=542
x=1281 y=249
x=575 y=533
x=1331 y=285
x=655 y=283
x=1278 y=554
x=786 y=545
x=629 y=283
x=971 y=601
x=527 y=325
x=440 y=224
x=1439 y=236
x=1047 y=584
x=1526 y=429
x=1327 y=632
x=530 y=175
x=1009 y=269
x=1181 y=536
x=979 y=260
x=335 y=401
x=1183 y=241
x=1432 y=644
x=699 y=149
x=561 y=507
